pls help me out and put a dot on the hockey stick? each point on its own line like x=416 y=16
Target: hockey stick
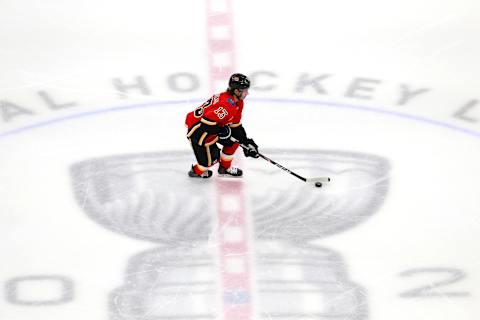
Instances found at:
x=318 y=182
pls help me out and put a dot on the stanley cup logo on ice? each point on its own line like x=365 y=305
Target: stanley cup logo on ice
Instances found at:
x=149 y=197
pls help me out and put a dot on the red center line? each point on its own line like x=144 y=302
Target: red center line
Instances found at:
x=220 y=42
x=235 y=254
x=235 y=272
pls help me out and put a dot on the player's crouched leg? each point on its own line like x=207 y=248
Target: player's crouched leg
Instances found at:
x=225 y=168
x=206 y=156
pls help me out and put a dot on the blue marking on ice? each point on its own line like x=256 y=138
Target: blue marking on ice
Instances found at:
x=397 y=114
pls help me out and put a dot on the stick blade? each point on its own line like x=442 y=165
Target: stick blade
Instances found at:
x=318 y=179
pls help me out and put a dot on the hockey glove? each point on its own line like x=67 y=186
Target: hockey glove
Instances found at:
x=225 y=133
x=250 y=148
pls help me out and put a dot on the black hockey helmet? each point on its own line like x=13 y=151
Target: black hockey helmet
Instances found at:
x=239 y=81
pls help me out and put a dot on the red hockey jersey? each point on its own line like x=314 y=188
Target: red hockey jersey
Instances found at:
x=220 y=110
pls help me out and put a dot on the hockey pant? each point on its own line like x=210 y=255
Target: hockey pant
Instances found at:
x=208 y=153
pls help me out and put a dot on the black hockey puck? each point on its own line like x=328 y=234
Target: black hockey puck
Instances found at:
x=318 y=184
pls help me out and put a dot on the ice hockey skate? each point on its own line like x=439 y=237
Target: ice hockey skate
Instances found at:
x=205 y=175
x=231 y=172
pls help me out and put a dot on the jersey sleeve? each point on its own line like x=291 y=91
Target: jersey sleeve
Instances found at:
x=237 y=119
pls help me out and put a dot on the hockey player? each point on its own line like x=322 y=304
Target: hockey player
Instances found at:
x=217 y=121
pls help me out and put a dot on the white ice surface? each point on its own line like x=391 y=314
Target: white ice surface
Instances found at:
x=85 y=188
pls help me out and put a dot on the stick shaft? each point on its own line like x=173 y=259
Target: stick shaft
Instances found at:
x=282 y=167
x=274 y=163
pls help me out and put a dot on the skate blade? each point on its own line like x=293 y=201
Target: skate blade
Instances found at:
x=229 y=176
